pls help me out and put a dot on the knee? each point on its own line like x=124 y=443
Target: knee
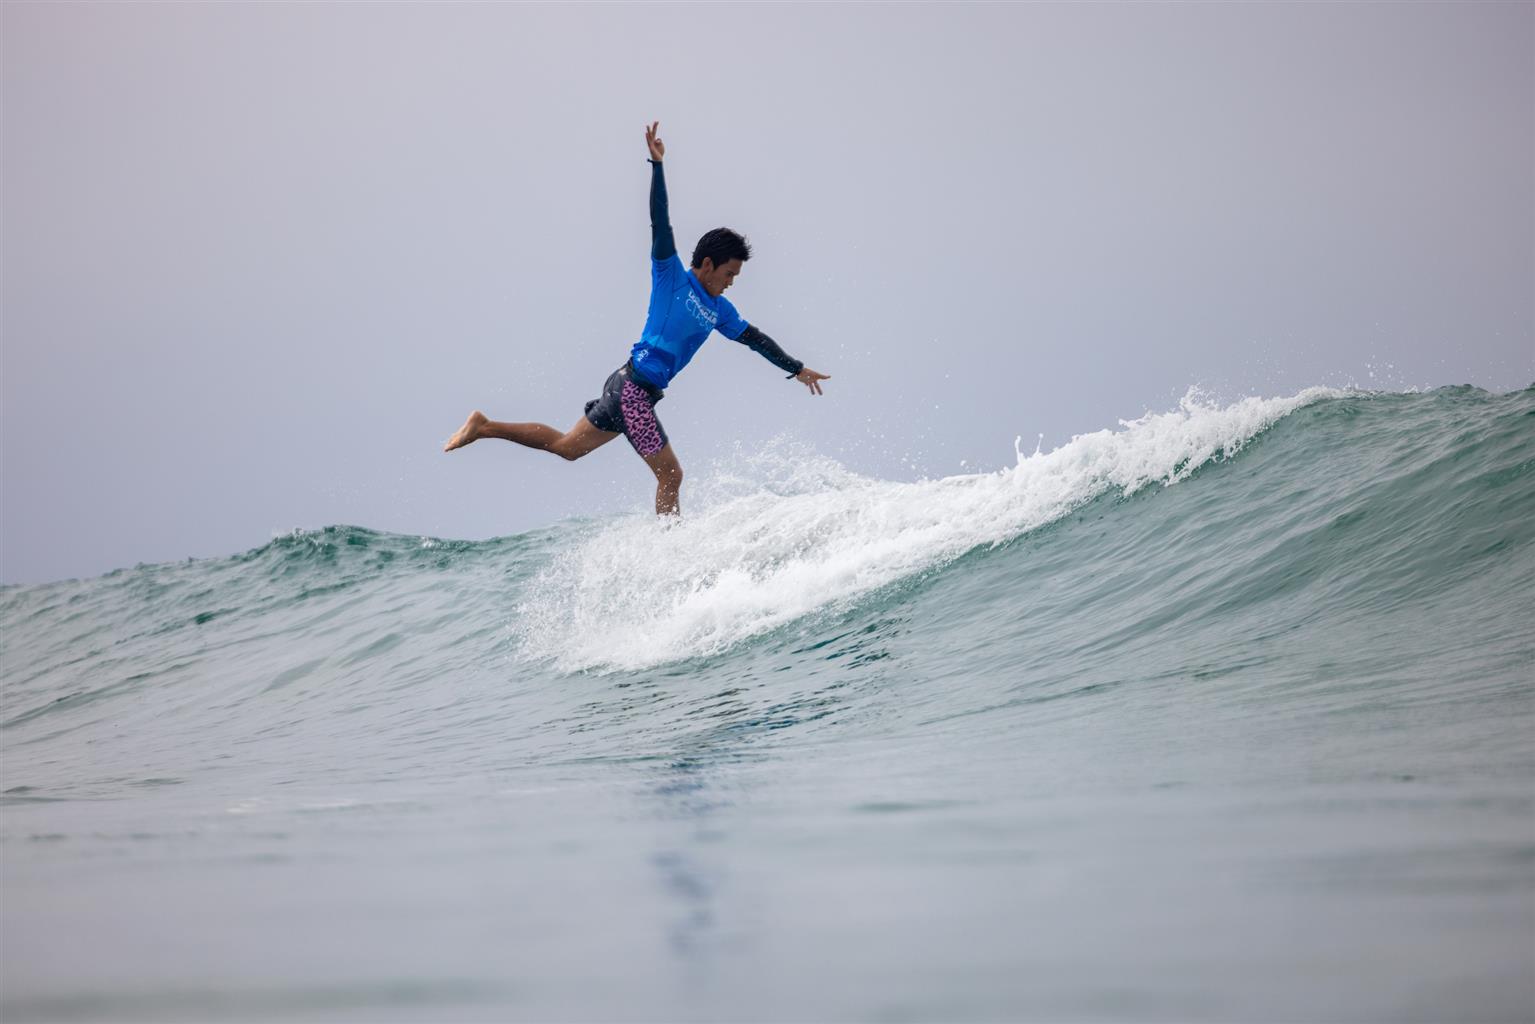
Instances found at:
x=565 y=450
x=670 y=476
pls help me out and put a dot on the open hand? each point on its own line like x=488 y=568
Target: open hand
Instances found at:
x=811 y=379
x=657 y=147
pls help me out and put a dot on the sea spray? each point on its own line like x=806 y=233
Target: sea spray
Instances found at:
x=814 y=536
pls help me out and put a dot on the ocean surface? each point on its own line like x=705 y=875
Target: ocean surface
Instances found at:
x=1224 y=714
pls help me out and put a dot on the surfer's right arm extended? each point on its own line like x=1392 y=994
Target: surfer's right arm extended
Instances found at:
x=662 y=245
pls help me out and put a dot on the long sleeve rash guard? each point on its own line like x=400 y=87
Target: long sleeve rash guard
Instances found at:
x=682 y=313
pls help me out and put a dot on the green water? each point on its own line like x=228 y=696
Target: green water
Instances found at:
x=1228 y=714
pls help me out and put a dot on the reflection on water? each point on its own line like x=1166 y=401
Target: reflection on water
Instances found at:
x=708 y=777
x=687 y=871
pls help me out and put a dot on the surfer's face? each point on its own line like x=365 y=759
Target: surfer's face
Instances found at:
x=716 y=279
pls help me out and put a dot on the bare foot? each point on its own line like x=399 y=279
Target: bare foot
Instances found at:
x=470 y=431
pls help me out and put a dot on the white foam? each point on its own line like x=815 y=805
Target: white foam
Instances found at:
x=789 y=533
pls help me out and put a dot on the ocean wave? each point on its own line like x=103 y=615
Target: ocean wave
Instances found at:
x=813 y=535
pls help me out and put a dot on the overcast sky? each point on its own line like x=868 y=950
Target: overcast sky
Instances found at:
x=260 y=260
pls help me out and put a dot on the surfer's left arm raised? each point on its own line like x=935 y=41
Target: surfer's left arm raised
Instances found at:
x=663 y=245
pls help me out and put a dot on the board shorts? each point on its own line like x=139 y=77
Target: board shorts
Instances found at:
x=628 y=407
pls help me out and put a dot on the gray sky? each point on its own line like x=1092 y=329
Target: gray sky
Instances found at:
x=261 y=259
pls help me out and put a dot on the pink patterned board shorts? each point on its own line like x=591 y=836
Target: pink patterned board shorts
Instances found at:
x=627 y=407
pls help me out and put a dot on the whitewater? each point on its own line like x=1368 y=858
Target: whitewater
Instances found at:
x=1224 y=713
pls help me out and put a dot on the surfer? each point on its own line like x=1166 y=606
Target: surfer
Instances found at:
x=686 y=304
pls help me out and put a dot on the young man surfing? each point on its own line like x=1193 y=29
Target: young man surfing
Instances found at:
x=686 y=304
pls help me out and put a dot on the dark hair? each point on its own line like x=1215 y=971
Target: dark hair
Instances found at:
x=721 y=245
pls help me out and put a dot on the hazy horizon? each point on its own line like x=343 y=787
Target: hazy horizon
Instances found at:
x=260 y=260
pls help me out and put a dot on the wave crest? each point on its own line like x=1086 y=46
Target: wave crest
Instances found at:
x=783 y=534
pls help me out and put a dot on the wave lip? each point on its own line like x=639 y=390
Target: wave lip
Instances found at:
x=640 y=593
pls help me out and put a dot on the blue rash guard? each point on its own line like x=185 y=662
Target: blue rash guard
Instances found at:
x=681 y=312
x=681 y=316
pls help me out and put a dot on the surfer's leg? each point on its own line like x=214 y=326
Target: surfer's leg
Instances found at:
x=581 y=439
x=637 y=412
x=668 y=473
x=572 y=444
